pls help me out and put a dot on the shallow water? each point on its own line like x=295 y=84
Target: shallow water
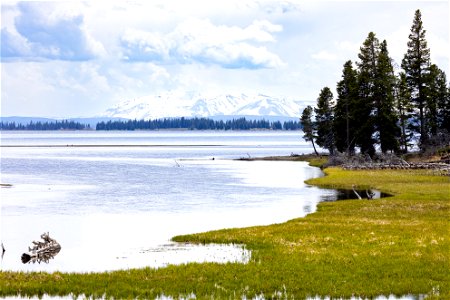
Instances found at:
x=344 y=194
x=117 y=206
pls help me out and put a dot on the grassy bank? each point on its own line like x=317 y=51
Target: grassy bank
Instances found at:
x=398 y=245
x=314 y=160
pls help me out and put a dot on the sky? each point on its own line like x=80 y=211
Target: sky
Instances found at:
x=76 y=59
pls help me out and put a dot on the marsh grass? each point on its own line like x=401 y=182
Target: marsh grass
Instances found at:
x=398 y=245
x=314 y=160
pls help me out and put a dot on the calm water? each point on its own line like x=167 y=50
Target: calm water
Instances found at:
x=113 y=200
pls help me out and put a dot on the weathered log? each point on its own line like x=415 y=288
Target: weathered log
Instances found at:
x=370 y=194
x=356 y=193
x=42 y=251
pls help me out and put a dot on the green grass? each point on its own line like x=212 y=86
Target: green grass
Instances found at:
x=398 y=245
x=314 y=160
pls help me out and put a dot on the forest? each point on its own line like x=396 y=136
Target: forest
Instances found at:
x=380 y=109
x=198 y=124
x=157 y=124
x=54 y=125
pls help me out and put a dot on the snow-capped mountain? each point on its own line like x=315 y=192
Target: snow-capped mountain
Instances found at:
x=267 y=106
x=194 y=104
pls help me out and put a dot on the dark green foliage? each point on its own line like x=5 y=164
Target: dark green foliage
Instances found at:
x=344 y=117
x=404 y=109
x=57 y=125
x=385 y=116
x=197 y=124
x=291 y=125
x=444 y=107
x=375 y=107
x=308 y=126
x=438 y=108
x=416 y=63
x=324 y=120
x=366 y=103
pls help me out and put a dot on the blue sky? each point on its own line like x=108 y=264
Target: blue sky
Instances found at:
x=71 y=58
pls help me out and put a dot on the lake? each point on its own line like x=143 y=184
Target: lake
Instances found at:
x=113 y=200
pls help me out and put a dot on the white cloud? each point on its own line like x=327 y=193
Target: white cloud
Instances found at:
x=141 y=46
x=324 y=55
x=279 y=7
x=440 y=49
x=48 y=31
x=200 y=41
x=72 y=58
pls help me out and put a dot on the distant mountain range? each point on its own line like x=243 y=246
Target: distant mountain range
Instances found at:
x=190 y=105
x=197 y=105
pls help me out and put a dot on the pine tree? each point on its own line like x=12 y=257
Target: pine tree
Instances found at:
x=444 y=107
x=324 y=120
x=437 y=108
x=404 y=108
x=365 y=105
x=385 y=116
x=416 y=63
x=308 y=126
x=344 y=118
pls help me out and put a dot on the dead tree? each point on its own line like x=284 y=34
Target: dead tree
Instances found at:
x=42 y=251
x=356 y=193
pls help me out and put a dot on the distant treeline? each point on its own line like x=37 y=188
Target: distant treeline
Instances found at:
x=198 y=124
x=56 y=125
x=168 y=123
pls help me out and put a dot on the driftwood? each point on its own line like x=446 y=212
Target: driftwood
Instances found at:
x=356 y=193
x=370 y=194
x=42 y=251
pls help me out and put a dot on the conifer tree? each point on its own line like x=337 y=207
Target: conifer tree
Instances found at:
x=324 y=120
x=344 y=118
x=404 y=109
x=365 y=106
x=444 y=107
x=308 y=126
x=437 y=101
x=416 y=63
x=385 y=117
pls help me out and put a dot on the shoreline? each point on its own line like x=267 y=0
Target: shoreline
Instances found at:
x=106 y=145
x=345 y=249
x=313 y=160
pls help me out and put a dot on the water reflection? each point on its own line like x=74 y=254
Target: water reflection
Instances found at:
x=308 y=208
x=123 y=220
x=181 y=253
x=345 y=194
x=117 y=207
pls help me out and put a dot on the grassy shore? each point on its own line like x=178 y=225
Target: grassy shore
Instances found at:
x=398 y=245
x=314 y=160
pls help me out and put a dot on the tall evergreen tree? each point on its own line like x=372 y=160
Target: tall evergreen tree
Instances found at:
x=404 y=108
x=437 y=101
x=416 y=63
x=324 y=120
x=308 y=126
x=444 y=106
x=385 y=117
x=365 y=106
x=344 y=118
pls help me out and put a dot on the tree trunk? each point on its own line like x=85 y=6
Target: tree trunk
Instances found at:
x=314 y=146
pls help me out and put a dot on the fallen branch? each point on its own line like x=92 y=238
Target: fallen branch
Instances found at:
x=42 y=251
x=356 y=193
x=370 y=194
